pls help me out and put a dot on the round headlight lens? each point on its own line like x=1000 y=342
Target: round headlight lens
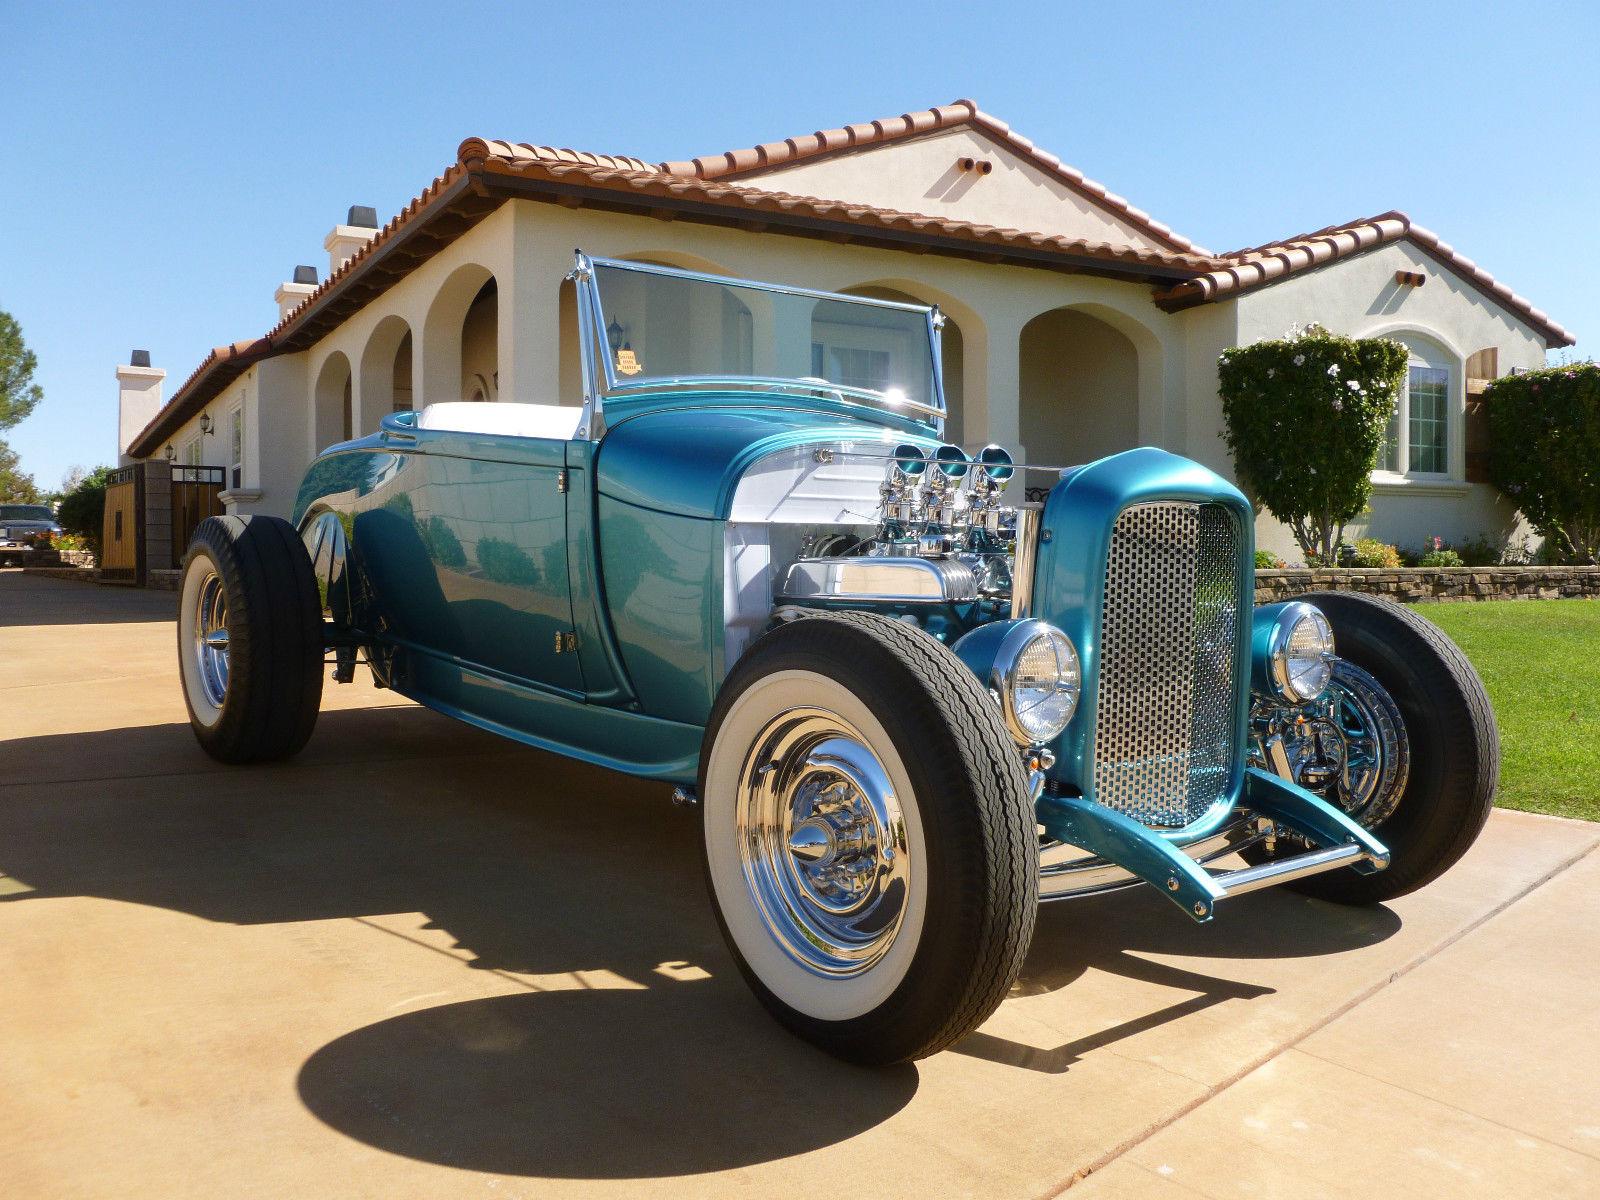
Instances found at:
x=1041 y=685
x=1302 y=654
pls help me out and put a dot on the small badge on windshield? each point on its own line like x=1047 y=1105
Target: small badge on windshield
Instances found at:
x=628 y=362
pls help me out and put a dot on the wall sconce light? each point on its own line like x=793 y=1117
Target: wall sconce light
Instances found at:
x=205 y=422
x=615 y=333
x=172 y=454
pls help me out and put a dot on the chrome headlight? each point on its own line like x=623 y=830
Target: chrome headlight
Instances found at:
x=1301 y=653
x=1039 y=679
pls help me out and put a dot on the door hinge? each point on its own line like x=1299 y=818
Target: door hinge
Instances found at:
x=561 y=481
x=566 y=641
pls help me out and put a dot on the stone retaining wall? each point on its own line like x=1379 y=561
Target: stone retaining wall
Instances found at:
x=1411 y=584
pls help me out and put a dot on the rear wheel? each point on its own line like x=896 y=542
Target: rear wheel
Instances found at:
x=869 y=844
x=250 y=648
x=1418 y=752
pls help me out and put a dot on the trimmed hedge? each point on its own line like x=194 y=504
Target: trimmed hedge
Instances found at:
x=1305 y=419
x=1544 y=453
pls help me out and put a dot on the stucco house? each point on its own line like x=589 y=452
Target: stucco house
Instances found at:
x=1078 y=325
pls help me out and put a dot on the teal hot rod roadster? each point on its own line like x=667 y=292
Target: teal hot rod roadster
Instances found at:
x=745 y=562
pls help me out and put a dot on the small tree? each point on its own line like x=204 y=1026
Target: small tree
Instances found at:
x=16 y=485
x=1544 y=449
x=19 y=394
x=1305 y=418
x=82 y=512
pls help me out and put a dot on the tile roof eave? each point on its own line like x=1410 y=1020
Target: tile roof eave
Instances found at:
x=714 y=200
x=1261 y=266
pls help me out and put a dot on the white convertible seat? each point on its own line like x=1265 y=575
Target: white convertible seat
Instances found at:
x=507 y=420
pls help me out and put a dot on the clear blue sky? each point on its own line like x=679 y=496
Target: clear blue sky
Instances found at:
x=163 y=167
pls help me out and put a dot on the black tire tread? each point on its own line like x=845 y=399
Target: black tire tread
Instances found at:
x=1465 y=762
x=980 y=760
x=275 y=653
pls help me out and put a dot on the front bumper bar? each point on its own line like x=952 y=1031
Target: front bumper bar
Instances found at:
x=1337 y=840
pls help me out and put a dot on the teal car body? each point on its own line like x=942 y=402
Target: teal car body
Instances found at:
x=583 y=594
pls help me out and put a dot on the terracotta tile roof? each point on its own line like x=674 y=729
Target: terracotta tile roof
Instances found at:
x=862 y=219
x=1258 y=266
x=769 y=155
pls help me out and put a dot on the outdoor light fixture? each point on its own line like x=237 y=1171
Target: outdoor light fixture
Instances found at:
x=171 y=453
x=614 y=335
x=205 y=422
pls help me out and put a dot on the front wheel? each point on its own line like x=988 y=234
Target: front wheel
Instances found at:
x=869 y=844
x=1416 y=751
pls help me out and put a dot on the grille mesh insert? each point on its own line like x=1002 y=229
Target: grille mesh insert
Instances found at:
x=1165 y=727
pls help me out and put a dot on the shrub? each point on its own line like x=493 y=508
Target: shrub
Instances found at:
x=1370 y=552
x=1266 y=560
x=82 y=512
x=1544 y=430
x=1305 y=419
x=1444 y=557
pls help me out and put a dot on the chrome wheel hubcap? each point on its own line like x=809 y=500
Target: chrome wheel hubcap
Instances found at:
x=1350 y=746
x=822 y=842
x=211 y=639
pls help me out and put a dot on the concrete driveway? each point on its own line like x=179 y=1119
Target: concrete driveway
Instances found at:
x=420 y=961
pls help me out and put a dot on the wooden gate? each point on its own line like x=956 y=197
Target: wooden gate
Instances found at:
x=121 y=540
x=195 y=492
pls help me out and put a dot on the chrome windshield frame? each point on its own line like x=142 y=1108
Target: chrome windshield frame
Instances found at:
x=599 y=372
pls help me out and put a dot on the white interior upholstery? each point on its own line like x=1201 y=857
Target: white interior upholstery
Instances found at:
x=507 y=420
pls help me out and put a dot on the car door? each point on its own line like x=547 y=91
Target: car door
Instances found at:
x=492 y=513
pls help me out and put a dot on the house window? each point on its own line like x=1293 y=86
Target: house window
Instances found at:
x=1417 y=441
x=236 y=447
x=191 y=453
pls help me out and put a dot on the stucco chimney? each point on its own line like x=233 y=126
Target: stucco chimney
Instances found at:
x=292 y=295
x=138 y=400
x=360 y=227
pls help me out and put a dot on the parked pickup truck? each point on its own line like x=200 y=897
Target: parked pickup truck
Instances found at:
x=25 y=528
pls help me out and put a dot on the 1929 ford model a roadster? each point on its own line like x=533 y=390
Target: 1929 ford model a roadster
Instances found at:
x=749 y=566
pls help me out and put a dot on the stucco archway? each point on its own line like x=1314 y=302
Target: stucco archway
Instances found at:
x=1089 y=385
x=461 y=338
x=332 y=414
x=386 y=371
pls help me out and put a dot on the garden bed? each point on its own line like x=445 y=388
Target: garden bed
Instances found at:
x=1412 y=584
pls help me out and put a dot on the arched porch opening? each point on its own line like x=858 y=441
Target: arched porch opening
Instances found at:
x=386 y=371
x=1079 y=389
x=332 y=413
x=461 y=339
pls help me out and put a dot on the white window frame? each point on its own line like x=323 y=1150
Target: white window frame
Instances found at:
x=194 y=451
x=1434 y=356
x=235 y=475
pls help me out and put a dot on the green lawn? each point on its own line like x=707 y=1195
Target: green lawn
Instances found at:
x=1540 y=660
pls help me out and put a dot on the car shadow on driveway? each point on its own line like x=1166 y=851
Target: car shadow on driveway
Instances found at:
x=536 y=866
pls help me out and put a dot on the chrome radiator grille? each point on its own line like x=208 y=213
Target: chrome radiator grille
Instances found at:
x=1164 y=735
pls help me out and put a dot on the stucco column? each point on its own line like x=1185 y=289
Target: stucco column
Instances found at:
x=991 y=381
x=529 y=347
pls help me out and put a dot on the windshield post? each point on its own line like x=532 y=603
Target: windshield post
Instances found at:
x=592 y=423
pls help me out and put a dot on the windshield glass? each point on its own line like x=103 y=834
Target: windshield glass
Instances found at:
x=667 y=326
x=24 y=512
